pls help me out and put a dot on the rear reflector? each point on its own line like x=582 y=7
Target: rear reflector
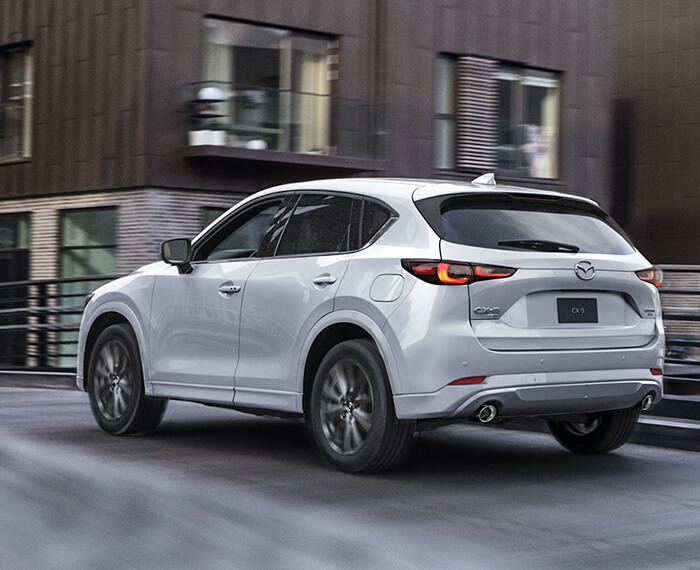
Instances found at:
x=470 y=380
x=656 y=371
x=453 y=272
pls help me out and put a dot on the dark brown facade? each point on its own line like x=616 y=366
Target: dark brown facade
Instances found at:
x=111 y=89
x=656 y=81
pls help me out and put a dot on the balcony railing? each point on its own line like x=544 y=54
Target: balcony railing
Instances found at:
x=256 y=118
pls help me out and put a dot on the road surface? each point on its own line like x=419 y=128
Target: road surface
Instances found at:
x=219 y=489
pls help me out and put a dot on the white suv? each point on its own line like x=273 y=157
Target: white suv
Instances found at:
x=367 y=306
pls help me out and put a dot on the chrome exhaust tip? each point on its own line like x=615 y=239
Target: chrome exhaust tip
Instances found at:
x=486 y=413
x=647 y=402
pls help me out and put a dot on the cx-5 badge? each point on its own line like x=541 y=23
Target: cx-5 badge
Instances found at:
x=584 y=270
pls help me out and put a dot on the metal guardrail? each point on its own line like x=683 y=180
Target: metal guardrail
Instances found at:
x=39 y=322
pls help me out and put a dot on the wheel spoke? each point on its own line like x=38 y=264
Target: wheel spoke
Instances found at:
x=346 y=406
x=363 y=420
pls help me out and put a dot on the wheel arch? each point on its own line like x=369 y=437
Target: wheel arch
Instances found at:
x=338 y=329
x=107 y=317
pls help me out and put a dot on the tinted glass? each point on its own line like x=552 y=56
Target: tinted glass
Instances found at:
x=508 y=222
x=374 y=216
x=242 y=236
x=320 y=224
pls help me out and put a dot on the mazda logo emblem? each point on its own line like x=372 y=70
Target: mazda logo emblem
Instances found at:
x=584 y=270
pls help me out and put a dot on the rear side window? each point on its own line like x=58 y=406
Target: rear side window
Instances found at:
x=319 y=224
x=525 y=223
x=374 y=216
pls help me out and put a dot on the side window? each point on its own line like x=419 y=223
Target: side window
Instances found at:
x=374 y=216
x=242 y=236
x=319 y=224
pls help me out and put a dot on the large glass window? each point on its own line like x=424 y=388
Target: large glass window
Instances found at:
x=15 y=101
x=493 y=116
x=528 y=123
x=267 y=88
x=88 y=242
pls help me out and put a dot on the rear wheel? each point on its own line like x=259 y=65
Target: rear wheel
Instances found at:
x=115 y=385
x=351 y=413
x=597 y=432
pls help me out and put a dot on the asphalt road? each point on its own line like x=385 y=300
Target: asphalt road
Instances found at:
x=218 y=489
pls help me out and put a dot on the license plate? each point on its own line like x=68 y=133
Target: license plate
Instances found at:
x=577 y=310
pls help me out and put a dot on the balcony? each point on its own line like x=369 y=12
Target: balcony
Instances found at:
x=239 y=122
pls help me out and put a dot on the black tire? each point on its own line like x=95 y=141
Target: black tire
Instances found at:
x=596 y=433
x=115 y=385
x=351 y=415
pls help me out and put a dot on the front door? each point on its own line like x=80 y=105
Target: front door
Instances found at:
x=195 y=316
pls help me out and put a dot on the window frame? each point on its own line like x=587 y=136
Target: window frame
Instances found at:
x=62 y=249
x=458 y=116
x=25 y=98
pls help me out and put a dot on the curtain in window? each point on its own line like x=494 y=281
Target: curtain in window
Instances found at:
x=477 y=113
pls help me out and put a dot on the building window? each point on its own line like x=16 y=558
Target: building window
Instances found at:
x=88 y=242
x=266 y=88
x=211 y=213
x=445 y=112
x=15 y=101
x=494 y=116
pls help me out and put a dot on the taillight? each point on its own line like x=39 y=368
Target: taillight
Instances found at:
x=653 y=275
x=453 y=272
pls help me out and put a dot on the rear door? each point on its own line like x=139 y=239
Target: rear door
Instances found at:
x=288 y=293
x=575 y=286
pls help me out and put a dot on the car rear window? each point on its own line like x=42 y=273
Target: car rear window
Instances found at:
x=525 y=222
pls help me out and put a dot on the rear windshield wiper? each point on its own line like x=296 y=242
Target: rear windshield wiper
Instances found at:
x=540 y=245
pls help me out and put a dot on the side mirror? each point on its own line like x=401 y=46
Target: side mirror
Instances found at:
x=177 y=252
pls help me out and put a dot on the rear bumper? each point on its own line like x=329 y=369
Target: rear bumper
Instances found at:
x=528 y=399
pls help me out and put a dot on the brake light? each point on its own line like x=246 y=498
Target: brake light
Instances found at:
x=653 y=275
x=452 y=272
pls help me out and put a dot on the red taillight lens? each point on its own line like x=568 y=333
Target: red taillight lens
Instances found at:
x=656 y=371
x=653 y=275
x=452 y=272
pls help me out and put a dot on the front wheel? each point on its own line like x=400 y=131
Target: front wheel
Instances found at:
x=597 y=432
x=115 y=385
x=351 y=413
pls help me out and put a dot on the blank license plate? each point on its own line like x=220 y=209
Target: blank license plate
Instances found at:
x=577 y=310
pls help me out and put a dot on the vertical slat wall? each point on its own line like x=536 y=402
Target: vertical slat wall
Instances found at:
x=477 y=113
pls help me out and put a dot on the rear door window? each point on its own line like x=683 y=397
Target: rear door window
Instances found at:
x=320 y=223
x=525 y=223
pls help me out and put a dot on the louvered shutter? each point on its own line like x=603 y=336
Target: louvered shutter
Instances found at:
x=477 y=113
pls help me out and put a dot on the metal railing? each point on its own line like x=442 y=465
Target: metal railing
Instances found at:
x=39 y=322
x=259 y=118
x=680 y=301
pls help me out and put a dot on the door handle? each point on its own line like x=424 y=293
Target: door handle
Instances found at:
x=227 y=289
x=325 y=280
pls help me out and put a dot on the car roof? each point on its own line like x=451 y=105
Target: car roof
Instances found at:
x=417 y=189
